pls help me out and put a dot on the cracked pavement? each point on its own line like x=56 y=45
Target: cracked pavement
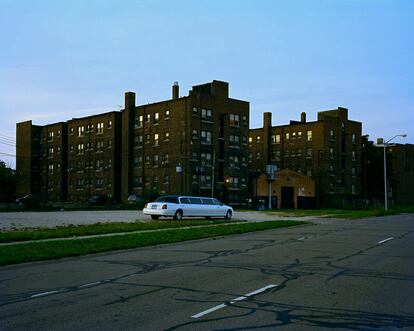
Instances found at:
x=332 y=275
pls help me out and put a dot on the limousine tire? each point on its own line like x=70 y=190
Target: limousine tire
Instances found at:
x=155 y=217
x=178 y=215
x=228 y=215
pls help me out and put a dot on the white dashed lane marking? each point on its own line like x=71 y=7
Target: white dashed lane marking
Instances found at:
x=385 y=240
x=238 y=299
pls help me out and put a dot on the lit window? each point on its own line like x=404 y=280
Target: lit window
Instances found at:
x=287 y=135
x=206 y=137
x=99 y=128
x=156 y=118
x=167 y=114
x=156 y=139
x=81 y=129
x=234 y=120
x=309 y=135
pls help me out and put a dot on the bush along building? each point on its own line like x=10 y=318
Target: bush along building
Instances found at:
x=195 y=145
x=327 y=150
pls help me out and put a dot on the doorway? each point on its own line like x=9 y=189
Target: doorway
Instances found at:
x=287 y=198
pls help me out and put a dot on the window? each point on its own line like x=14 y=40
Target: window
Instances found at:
x=166 y=158
x=80 y=183
x=309 y=152
x=137 y=181
x=353 y=138
x=275 y=139
x=137 y=161
x=139 y=121
x=109 y=143
x=99 y=165
x=207 y=114
x=258 y=139
x=293 y=135
x=99 y=146
x=148 y=118
x=205 y=181
x=195 y=111
x=234 y=120
x=138 y=141
x=50 y=168
x=99 y=183
x=331 y=134
x=206 y=137
x=353 y=172
x=147 y=159
x=167 y=114
x=50 y=152
x=234 y=141
x=166 y=179
x=258 y=155
x=50 y=136
x=206 y=158
x=299 y=134
x=250 y=140
x=233 y=182
x=147 y=138
x=166 y=135
x=155 y=181
x=244 y=119
x=155 y=159
x=244 y=140
x=156 y=139
x=353 y=156
x=309 y=135
x=309 y=171
x=71 y=148
x=156 y=118
x=58 y=165
x=287 y=135
x=99 y=128
x=194 y=156
x=80 y=149
x=194 y=134
x=71 y=131
x=109 y=124
x=81 y=130
x=331 y=153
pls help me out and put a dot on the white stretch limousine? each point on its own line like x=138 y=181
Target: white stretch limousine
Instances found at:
x=180 y=206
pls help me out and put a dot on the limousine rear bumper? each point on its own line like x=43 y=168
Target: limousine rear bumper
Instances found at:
x=158 y=212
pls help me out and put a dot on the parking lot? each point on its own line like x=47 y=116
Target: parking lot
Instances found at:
x=21 y=220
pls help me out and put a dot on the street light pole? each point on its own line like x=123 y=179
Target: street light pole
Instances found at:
x=385 y=144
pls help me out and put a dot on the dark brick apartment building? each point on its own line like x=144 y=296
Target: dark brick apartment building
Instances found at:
x=327 y=150
x=195 y=144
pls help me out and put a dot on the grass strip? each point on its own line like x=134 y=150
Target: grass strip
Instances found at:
x=100 y=228
x=47 y=250
x=343 y=213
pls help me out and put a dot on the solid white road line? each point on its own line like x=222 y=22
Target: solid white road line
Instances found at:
x=301 y=238
x=385 y=240
x=244 y=297
x=42 y=294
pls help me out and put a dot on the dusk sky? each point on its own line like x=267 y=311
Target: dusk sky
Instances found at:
x=65 y=59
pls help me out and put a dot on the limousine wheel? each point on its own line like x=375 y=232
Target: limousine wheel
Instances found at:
x=155 y=217
x=228 y=215
x=178 y=215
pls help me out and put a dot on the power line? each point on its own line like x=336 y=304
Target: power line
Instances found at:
x=8 y=154
x=4 y=137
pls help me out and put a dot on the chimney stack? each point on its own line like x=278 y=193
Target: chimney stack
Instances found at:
x=175 y=91
x=303 y=117
x=267 y=119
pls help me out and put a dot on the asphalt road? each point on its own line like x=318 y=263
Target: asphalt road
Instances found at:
x=344 y=275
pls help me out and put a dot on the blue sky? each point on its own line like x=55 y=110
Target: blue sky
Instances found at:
x=64 y=59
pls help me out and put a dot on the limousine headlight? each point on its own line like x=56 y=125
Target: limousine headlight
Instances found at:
x=164 y=206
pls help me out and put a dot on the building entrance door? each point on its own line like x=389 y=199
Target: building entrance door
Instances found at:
x=286 y=201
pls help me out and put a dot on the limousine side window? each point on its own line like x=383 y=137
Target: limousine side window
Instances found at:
x=216 y=202
x=185 y=200
x=207 y=202
x=195 y=201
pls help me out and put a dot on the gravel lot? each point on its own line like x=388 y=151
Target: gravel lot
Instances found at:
x=21 y=220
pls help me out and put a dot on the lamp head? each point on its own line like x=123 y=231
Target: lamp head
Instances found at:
x=404 y=135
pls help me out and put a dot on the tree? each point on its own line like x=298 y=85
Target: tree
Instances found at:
x=7 y=183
